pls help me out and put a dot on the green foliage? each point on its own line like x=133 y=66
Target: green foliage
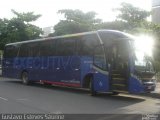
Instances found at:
x=130 y=19
x=18 y=28
x=76 y=21
x=131 y=14
x=27 y=17
x=114 y=25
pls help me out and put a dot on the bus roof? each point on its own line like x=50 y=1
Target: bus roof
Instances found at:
x=69 y=35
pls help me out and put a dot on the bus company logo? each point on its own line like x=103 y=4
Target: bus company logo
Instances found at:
x=48 y=62
x=150 y=117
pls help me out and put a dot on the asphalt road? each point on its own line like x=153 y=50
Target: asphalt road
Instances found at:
x=18 y=98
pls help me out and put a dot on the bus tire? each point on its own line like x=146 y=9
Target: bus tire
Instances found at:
x=24 y=78
x=91 y=86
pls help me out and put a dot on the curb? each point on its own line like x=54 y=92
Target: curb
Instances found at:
x=152 y=95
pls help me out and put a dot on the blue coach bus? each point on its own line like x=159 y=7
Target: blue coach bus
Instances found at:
x=103 y=61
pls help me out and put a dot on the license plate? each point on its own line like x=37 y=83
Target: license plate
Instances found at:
x=149 y=87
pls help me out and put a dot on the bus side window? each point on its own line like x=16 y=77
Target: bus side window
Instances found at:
x=99 y=57
x=65 y=47
x=34 y=49
x=11 y=51
x=47 y=48
x=87 y=43
x=24 y=50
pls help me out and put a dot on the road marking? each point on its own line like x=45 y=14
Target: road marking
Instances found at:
x=23 y=99
x=3 y=98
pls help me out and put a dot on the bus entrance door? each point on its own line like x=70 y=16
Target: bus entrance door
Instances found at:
x=118 y=70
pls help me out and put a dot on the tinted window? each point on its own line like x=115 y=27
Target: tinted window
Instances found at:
x=34 y=49
x=11 y=51
x=29 y=49
x=47 y=48
x=99 y=57
x=109 y=37
x=65 y=46
x=87 y=43
x=24 y=50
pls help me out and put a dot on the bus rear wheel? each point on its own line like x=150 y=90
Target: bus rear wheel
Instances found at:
x=91 y=87
x=25 y=79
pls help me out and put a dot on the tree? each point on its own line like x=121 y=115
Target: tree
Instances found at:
x=130 y=19
x=3 y=32
x=26 y=17
x=18 y=28
x=132 y=15
x=76 y=21
x=114 y=25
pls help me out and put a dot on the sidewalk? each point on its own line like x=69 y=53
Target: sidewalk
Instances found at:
x=158 y=88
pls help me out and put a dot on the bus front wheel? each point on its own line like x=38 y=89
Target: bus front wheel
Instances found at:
x=25 y=79
x=91 y=86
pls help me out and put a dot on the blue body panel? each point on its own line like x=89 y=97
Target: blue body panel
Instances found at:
x=86 y=67
x=135 y=85
x=71 y=69
x=68 y=69
x=101 y=82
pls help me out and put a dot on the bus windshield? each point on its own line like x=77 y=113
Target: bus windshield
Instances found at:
x=139 y=58
x=141 y=62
